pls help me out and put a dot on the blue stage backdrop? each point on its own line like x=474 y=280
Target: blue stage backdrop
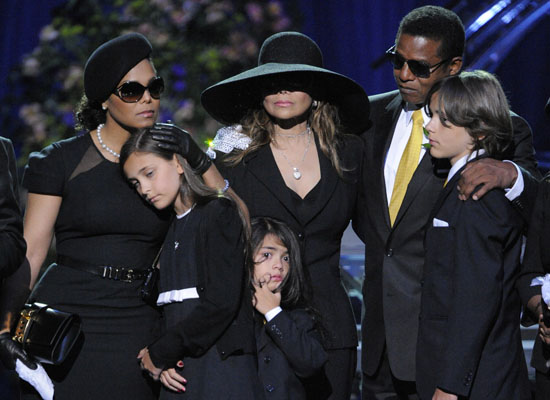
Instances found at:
x=353 y=34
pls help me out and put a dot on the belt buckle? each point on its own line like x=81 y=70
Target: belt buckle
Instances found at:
x=23 y=325
x=127 y=275
x=118 y=274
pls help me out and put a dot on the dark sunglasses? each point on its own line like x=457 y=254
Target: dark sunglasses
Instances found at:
x=419 y=68
x=132 y=91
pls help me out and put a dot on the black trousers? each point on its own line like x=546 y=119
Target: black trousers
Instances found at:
x=336 y=380
x=383 y=385
x=542 y=386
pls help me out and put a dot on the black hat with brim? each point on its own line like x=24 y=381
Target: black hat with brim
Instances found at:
x=288 y=54
x=108 y=64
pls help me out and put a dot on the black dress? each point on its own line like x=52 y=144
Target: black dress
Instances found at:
x=207 y=308
x=101 y=221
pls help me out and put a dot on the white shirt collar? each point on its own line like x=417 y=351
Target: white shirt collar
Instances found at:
x=462 y=162
x=409 y=115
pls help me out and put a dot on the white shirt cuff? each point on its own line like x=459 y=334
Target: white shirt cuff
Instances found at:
x=272 y=313
x=517 y=189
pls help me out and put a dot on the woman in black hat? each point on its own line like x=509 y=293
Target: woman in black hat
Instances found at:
x=106 y=236
x=292 y=158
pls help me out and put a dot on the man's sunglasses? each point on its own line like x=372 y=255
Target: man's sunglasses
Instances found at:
x=419 y=68
x=132 y=91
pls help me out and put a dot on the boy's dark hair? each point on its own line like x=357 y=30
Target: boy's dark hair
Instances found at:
x=476 y=101
x=294 y=288
x=438 y=24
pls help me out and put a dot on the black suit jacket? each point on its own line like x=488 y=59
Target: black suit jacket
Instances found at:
x=536 y=262
x=469 y=342
x=394 y=256
x=319 y=228
x=12 y=244
x=288 y=349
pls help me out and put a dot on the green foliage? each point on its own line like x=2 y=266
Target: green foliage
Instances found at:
x=196 y=44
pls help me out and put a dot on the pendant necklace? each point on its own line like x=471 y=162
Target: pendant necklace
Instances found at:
x=103 y=145
x=297 y=174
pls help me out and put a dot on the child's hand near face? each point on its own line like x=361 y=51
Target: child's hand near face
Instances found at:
x=264 y=299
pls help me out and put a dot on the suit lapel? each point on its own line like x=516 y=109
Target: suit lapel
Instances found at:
x=421 y=178
x=329 y=180
x=261 y=336
x=440 y=166
x=262 y=165
x=443 y=195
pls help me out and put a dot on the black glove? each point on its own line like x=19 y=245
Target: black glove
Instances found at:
x=175 y=139
x=10 y=351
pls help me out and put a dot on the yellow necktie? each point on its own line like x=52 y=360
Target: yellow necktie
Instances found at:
x=407 y=165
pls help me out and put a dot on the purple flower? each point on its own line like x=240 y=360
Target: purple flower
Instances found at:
x=255 y=12
x=179 y=86
x=179 y=70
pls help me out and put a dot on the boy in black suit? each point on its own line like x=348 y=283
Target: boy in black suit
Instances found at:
x=469 y=342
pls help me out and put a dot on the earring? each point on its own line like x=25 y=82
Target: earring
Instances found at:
x=103 y=107
x=314 y=104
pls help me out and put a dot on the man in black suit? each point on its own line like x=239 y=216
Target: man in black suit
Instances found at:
x=429 y=46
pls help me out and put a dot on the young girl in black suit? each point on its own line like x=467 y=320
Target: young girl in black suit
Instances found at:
x=469 y=343
x=288 y=343
x=208 y=312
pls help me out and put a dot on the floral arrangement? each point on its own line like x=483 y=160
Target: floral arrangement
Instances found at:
x=196 y=44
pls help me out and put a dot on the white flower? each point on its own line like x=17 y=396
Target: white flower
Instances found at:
x=544 y=281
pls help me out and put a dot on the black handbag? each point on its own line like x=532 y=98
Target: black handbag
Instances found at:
x=47 y=334
x=150 y=290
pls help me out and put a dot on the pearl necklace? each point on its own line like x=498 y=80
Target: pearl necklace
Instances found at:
x=103 y=145
x=297 y=174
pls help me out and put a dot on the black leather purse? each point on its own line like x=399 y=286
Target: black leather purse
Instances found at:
x=47 y=334
x=149 y=289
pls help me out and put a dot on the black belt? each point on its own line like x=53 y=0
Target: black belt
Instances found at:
x=123 y=274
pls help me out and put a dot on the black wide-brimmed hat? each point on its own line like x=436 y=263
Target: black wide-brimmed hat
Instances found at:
x=294 y=56
x=111 y=61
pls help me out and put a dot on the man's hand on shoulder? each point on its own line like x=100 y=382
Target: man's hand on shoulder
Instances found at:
x=488 y=173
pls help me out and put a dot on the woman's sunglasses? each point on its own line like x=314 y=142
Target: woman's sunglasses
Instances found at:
x=132 y=91
x=289 y=81
x=419 y=68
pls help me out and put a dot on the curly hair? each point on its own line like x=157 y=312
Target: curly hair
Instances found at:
x=438 y=24
x=89 y=114
x=476 y=101
x=323 y=121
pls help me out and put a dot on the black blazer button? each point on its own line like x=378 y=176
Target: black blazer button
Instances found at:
x=300 y=236
x=267 y=359
x=389 y=252
x=269 y=388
